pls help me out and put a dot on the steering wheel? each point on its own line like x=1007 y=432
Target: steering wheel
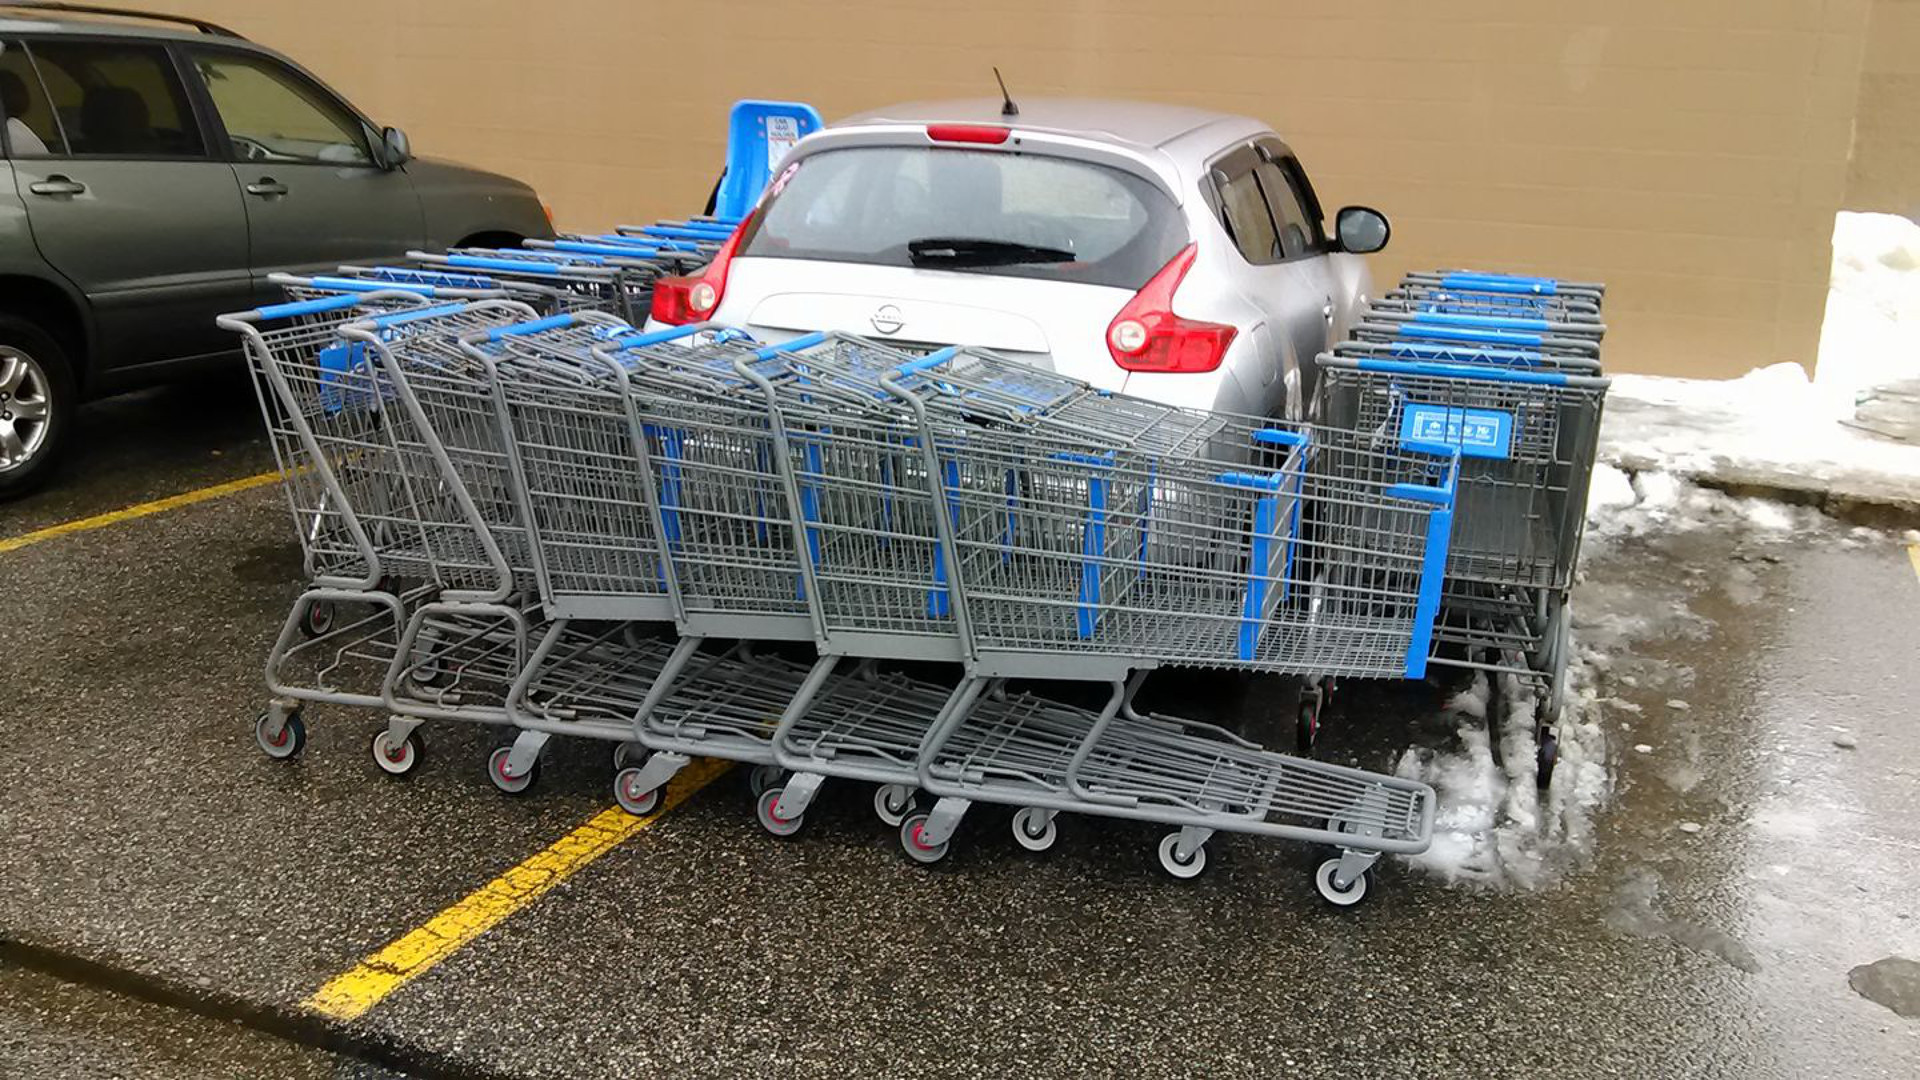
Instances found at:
x=251 y=149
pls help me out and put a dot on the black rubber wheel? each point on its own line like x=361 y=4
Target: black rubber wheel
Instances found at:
x=318 y=619
x=37 y=394
x=1548 y=758
x=1306 y=728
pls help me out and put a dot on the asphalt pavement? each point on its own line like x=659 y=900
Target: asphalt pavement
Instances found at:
x=1760 y=847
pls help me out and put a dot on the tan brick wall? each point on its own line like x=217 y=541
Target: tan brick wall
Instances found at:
x=1885 y=171
x=1689 y=152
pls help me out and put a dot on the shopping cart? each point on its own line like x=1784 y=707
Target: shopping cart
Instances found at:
x=578 y=284
x=1411 y=296
x=1031 y=527
x=1527 y=432
x=426 y=283
x=365 y=509
x=1506 y=284
x=1497 y=332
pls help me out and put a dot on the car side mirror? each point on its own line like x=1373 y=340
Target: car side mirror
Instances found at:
x=1361 y=229
x=395 y=150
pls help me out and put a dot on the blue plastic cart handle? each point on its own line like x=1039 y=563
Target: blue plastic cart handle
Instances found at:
x=804 y=341
x=415 y=314
x=684 y=234
x=361 y=285
x=623 y=240
x=657 y=337
x=551 y=322
x=931 y=360
x=1269 y=482
x=518 y=266
x=305 y=307
x=1277 y=437
x=1513 y=285
x=1498 y=322
x=1464 y=333
x=1463 y=371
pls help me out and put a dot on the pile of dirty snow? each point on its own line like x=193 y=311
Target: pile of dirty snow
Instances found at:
x=1494 y=827
x=1871 y=336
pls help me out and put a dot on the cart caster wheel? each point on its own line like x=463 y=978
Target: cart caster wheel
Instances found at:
x=1032 y=833
x=429 y=674
x=766 y=809
x=292 y=739
x=1171 y=862
x=892 y=803
x=318 y=620
x=397 y=760
x=918 y=850
x=763 y=777
x=1549 y=757
x=627 y=755
x=627 y=792
x=1355 y=891
x=1307 y=729
x=510 y=783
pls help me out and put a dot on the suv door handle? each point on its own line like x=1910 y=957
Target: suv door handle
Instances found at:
x=1326 y=310
x=266 y=187
x=57 y=185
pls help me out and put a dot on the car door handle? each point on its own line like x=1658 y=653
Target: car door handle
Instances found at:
x=1326 y=310
x=57 y=185
x=266 y=187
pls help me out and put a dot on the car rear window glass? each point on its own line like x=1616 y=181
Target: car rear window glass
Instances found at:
x=31 y=129
x=1015 y=215
x=119 y=100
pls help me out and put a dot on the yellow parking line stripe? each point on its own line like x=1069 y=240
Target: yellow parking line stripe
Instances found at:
x=1913 y=556
x=114 y=517
x=348 y=996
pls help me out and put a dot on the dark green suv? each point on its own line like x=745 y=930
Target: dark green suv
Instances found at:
x=152 y=179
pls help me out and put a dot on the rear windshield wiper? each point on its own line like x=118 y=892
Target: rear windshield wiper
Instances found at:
x=979 y=251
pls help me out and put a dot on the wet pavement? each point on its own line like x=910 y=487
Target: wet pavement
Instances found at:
x=50 y=1027
x=1759 y=849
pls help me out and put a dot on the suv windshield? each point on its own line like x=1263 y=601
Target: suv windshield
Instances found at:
x=985 y=212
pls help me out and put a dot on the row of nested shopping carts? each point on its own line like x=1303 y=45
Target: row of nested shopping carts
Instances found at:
x=505 y=494
x=1506 y=369
x=542 y=519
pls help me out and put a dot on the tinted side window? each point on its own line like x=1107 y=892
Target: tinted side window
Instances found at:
x=1243 y=208
x=118 y=100
x=30 y=127
x=1289 y=214
x=272 y=115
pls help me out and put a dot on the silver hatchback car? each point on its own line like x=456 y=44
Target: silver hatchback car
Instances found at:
x=1167 y=252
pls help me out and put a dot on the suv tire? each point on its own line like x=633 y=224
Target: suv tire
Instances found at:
x=36 y=405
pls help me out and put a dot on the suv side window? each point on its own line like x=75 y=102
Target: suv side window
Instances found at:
x=118 y=99
x=1295 y=228
x=273 y=115
x=1243 y=209
x=31 y=129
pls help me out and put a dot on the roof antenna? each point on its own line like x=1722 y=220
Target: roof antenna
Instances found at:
x=1007 y=107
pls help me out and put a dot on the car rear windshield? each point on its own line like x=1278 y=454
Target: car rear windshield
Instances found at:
x=986 y=212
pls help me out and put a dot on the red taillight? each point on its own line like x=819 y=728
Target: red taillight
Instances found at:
x=681 y=300
x=1148 y=336
x=967 y=133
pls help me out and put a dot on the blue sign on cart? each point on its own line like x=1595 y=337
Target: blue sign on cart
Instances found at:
x=1486 y=433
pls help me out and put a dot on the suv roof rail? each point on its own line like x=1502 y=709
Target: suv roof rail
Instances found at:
x=201 y=25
